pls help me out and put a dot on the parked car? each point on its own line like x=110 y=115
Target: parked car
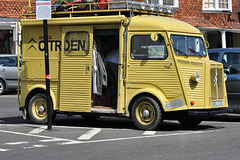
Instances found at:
x=8 y=73
x=230 y=58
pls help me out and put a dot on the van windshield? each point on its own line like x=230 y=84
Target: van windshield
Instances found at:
x=188 y=45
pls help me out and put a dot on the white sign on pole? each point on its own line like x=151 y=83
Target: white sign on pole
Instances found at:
x=43 y=9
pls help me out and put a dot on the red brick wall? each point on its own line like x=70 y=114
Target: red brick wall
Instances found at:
x=13 y=8
x=192 y=8
x=191 y=12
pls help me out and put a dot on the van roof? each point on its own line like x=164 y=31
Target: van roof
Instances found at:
x=138 y=23
x=150 y=22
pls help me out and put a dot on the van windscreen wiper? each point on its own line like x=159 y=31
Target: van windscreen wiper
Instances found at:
x=179 y=51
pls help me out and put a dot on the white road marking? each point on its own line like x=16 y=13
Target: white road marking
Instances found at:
x=149 y=132
x=52 y=140
x=38 y=130
x=35 y=146
x=4 y=150
x=15 y=143
x=90 y=134
x=131 y=138
x=33 y=135
x=69 y=141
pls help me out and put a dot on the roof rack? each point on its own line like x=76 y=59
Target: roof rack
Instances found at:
x=88 y=7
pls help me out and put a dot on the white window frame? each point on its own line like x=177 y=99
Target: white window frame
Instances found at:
x=175 y=3
x=216 y=8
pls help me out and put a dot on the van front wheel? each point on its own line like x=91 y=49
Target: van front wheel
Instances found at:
x=146 y=113
x=37 y=109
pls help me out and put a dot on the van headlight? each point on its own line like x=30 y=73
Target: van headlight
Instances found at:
x=143 y=6
x=195 y=77
x=225 y=77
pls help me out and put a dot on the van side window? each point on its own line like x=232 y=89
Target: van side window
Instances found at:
x=76 y=44
x=144 y=48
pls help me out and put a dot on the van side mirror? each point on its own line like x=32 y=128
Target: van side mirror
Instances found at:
x=207 y=44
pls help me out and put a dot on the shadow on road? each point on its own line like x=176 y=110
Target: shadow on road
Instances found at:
x=13 y=120
x=10 y=92
x=226 y=118
x=122 y=123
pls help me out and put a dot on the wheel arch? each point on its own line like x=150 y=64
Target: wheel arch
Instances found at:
x=156 y=95
x=39 y=89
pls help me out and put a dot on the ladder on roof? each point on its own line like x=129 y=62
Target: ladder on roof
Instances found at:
x=88 y=7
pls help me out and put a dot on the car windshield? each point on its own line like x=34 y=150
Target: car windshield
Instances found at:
x=188 y=45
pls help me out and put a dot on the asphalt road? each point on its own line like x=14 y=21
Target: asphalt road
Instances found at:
x=114 y=138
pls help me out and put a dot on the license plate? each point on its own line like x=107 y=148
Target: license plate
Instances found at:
x=217 y=103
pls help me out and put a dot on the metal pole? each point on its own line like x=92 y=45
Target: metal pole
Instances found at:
x=49 y=106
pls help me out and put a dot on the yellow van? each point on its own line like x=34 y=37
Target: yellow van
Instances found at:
x=127 y=59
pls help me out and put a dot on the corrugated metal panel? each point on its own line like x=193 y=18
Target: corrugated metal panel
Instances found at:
x=75 y=84
x=155 y=72
x=194 y=91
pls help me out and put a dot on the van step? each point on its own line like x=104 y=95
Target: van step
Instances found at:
x=103 y=109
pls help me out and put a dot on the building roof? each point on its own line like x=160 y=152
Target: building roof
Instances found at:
x=14 y=8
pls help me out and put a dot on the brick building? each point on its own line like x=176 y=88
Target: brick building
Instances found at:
x=9 y=11
x=218 y=20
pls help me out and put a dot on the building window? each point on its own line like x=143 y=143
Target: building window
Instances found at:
x=171 y=3
x=217 y=5
x=6 y=42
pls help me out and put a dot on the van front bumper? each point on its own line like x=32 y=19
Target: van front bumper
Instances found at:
x=209 y=112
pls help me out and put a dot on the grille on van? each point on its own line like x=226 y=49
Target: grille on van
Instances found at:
x=217 y=83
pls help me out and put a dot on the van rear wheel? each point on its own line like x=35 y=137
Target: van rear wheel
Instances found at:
x=37 y=109
x=146 y=113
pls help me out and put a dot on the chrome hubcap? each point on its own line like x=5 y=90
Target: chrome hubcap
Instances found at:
x=146 y=113
x=41 y=109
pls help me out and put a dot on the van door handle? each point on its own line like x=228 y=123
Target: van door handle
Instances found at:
x=168 y=65
x=87 y=69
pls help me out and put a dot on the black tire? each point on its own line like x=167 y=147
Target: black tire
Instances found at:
x=2 y=87
x=146 y=113
x=37 y=109
x=189 y=122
